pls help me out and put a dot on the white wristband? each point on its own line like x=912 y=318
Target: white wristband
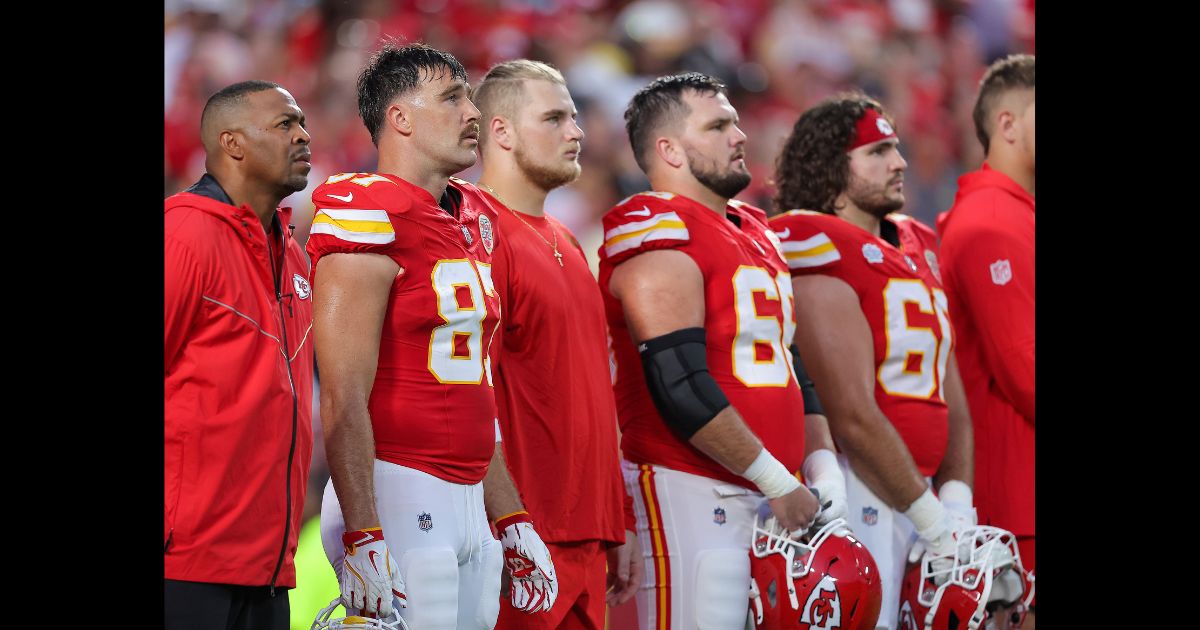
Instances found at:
x=772 y=479
x=957 y=493
x=927 y=515
x=820 y=464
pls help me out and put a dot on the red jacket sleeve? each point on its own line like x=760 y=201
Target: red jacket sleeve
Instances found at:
x=996 y=283
x=181 y=297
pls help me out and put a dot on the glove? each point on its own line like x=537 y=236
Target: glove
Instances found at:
x=937 y=532
x=957 y=498
x=370 y=577
x=534 y=584
x=826 y=480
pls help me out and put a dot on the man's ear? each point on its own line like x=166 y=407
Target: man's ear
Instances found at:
x=502 y=133
x=670 y=151
x=233 y=143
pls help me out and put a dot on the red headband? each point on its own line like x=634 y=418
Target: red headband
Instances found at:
x=872 y=127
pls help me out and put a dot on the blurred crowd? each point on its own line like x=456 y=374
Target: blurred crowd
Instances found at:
x=921 y=58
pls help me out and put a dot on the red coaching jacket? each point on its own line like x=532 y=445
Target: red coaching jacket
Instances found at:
x=987 y=267
x=237 y=366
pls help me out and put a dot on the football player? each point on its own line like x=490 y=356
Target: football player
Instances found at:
x=551 y=359
x=405 y=310
x=698 y=300
x=874 y=329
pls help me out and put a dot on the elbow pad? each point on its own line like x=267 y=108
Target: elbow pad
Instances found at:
x=676 y=371
x=812 y=404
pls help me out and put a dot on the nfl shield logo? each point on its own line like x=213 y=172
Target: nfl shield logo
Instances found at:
x=1001 y=272
x=870 y=515
x=424 y=521
x=719 y=516
x=467 y=234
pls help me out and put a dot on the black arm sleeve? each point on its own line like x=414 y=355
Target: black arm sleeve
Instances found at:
x=676 y=371
x=812 y=404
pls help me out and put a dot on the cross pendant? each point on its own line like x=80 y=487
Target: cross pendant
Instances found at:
x=559 y=257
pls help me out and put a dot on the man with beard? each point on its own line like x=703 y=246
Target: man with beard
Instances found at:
x=699 y=304
x=550 y=357
x=873 y=327
x=405 y=311
x=237 y=368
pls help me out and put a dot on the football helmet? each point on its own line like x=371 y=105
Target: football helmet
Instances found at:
x=354 y=622
x=830 y=579
x=985 y=575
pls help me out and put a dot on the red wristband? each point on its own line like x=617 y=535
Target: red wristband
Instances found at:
x=359 y=537
x=515 y=517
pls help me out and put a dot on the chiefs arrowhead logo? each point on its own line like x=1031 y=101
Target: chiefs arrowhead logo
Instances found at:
x=823 y=610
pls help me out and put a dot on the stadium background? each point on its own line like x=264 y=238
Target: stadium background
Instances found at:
x=921 y=58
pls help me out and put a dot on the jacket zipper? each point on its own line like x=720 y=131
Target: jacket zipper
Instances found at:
x=287 y=519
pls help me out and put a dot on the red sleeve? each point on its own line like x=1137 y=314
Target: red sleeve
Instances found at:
x=363 y=215
x=995 y=280
x=642 y=223
x=809 y=245
x=183 y=276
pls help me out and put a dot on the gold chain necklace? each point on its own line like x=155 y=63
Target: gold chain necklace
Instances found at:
x=522 y=220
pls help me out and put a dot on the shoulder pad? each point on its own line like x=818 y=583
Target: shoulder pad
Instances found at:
x=809 y=239
x=356 y=209
x=643 y=222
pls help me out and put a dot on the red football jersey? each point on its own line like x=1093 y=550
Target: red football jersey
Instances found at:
x=554 y=383
x=748 y=325
x=905 y=306
x=431 y=406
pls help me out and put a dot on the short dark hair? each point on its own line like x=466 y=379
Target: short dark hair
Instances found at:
x=1014 y=72
x=814 y=166
x=659 y=102
x=394 y=71
x=234 y=95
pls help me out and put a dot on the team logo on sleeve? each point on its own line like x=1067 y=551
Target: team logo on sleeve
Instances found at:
x=1001 y=272
x=931 y=260
x=424 y=521
x=824 y=607
x=301 y=286
x=485 y=233
x=872 y=253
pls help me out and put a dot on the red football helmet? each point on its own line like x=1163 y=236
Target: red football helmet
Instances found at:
x=963 y=592
x=830 y=579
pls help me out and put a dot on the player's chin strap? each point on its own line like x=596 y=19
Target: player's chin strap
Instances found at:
x=354 y=622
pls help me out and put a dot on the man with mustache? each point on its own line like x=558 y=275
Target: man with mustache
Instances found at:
x=712 y=416
x=237 y=368
x=551 y=359
x=873 y=327
x=405 y=310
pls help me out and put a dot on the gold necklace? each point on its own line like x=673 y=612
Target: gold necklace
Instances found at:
x=522 y=220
